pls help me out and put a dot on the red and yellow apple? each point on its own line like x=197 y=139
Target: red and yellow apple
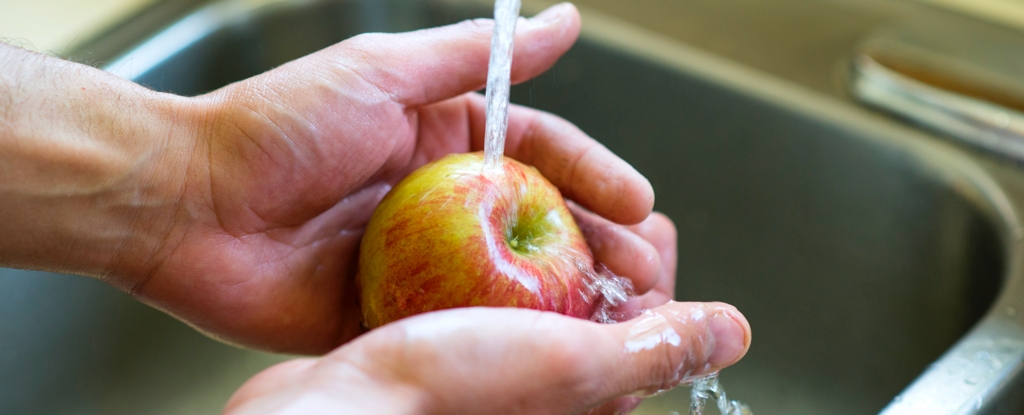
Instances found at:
x=454 y=235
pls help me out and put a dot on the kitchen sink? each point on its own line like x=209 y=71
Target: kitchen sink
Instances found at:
x=879 y=267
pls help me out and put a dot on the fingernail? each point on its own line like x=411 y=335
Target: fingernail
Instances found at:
x=730 y=339
x=552 y=15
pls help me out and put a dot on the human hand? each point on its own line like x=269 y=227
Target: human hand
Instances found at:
x=240 y=211
x=501 y=361
x=295 y=160
x=510 y=361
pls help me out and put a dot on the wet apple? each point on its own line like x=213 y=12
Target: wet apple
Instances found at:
x=453 y=234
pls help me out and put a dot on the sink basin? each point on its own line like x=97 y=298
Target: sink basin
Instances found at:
x=864 y=253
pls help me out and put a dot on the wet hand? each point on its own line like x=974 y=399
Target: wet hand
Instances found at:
x=504 y=361
x=289 y=165
x=511 y=361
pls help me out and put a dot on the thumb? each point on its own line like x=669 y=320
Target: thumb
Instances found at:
x=662 y=348
x=519 y=361
x=431 y=65
x=671 y=344
x=506 y=361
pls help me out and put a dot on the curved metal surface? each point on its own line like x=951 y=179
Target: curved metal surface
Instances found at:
x=860 y=250
x=960 y=79
x=973 y=120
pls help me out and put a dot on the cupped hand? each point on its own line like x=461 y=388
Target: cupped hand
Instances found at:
x=509 y=361
x=286 y=168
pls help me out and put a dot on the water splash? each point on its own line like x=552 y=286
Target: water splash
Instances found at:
x=499 y=72
x=652 y=329
x=609 y=290
x=707 y=387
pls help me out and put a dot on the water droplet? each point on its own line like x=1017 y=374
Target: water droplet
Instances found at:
x=611 y=291
x=651 y=331
x=708 y=387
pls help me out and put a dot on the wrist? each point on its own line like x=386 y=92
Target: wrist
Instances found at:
x=91 y=167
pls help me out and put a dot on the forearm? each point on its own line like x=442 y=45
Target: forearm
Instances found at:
x=91 y=167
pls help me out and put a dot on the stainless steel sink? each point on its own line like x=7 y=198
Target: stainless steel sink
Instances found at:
x=865 y=254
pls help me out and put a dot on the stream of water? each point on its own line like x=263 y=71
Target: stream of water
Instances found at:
x=499 y=73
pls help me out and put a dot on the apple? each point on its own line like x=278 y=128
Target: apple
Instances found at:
x=454 y=235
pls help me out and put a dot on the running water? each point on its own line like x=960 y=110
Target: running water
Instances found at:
x=610 y=290
x=708 y=387
x=613 y=290
x=499 y=72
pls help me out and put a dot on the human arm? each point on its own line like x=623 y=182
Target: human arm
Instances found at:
x=240 y=211
x=90 y=167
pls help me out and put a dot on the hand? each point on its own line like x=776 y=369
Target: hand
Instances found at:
x=509 y=361
x=295 y=160
x=240 y=211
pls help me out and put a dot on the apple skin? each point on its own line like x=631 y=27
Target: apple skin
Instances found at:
x=452 y=235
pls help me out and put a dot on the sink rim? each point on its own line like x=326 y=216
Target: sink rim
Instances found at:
x=958 y=382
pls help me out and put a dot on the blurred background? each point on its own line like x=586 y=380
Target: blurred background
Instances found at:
x=847 y=172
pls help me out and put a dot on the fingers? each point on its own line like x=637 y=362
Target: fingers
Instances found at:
x=660 y=232
x=583 y=169
x=675 y=342
x=624 y=253
x=486 y=360
x=434 y=64
x=514 y=361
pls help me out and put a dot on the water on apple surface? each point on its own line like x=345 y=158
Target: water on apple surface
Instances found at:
x=614 y=290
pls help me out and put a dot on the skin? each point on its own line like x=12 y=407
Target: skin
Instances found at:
x=505 y=361
x=240 y=212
